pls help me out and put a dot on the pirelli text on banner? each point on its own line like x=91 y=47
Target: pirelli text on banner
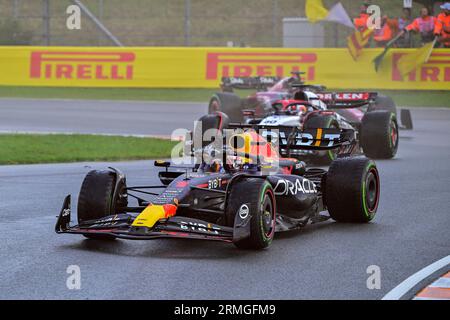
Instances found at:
x=173 y=67
x=247 y=64
x=82 y=65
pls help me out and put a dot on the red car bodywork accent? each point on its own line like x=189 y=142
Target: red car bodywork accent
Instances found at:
x=170 y=210
x=182 y=184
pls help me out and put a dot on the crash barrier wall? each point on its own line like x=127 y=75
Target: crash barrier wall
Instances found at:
x=173 y=67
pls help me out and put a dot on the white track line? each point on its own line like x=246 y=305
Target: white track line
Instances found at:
x=403 y=288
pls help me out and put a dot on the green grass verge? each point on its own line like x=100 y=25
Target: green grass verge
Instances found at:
x=195 y=95
x=402 y=98
x=420 y=98
x=59 y=148
x=136 y=94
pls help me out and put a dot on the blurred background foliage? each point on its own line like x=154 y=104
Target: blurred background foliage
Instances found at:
x=255 y=23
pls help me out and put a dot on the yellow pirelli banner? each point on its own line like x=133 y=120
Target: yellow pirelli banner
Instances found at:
x=163 y=67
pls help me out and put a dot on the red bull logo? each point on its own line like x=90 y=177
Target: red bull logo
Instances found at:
x=82 y=65
x=437 y=69
x=263 y=64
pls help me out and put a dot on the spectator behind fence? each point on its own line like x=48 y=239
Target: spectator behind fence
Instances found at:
x=442 y=28
x=403 y=22
x=389 y=29
x=361 y=21
x=425 y=25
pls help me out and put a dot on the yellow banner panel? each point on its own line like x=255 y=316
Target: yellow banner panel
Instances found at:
x=167 y=67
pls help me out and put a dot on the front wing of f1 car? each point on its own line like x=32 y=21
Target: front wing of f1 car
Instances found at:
x=120 y=226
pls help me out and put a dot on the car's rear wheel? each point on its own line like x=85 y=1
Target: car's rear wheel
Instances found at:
x=210 y=126
x=352 y=190
x=228 y=103
x=385 y=103
x=324 y=122
x=253 y=197
x=379 y=135
x=96 y=201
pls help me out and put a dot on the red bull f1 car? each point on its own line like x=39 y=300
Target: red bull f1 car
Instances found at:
x=246 y=195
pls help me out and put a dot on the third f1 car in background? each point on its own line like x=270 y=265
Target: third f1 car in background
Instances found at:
x=290 y=102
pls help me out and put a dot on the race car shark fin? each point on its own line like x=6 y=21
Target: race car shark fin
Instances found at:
x=406 y=119
x=63 y=222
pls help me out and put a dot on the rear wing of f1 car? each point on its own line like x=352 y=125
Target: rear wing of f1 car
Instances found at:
x=293 y=139
x=349 y=100
x=345 y=100
x=339 y=100
x=250 y=83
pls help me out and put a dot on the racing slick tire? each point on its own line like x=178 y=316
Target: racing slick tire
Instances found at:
x=379 y=135
x=95 y=200
x=352 y=190
x=324 y=122
x=217 y=121
x=228 y=103
x=256 y=197
x=383 y=103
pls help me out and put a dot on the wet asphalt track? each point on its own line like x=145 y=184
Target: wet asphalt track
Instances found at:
x=100 y=117
x=325 y=261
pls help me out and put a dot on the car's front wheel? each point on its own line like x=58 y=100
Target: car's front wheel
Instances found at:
x=96 y=201
x=253 y=198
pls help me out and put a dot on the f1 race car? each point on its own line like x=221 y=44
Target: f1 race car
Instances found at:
x=272 y=89
x=244 y=196
x=309 y=106
x=377 y=132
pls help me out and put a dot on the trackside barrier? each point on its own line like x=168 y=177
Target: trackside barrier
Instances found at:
x=172 y=67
